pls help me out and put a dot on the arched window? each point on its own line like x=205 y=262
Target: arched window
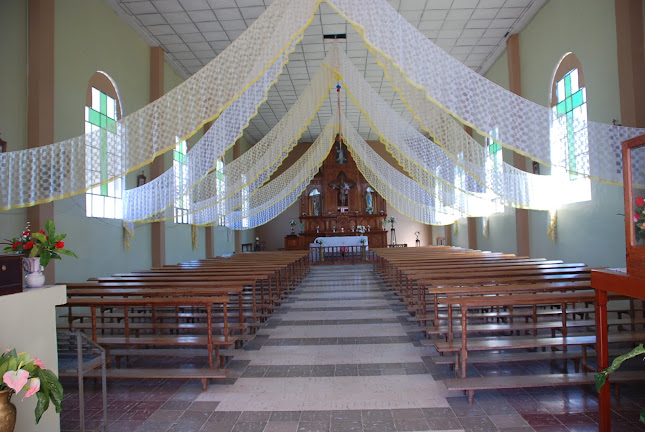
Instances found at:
x=179 y=161
x=494 y=169
x=494 y=160
x=569 y=136
x=103 y=160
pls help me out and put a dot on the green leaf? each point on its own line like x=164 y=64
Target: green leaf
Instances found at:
x=34 y=252
x=50 y=228
x=642 y=415
x=45 y=257
x=66 y=252
x=4 y=367
x=601 y=377
x=40 y=237
x=41 y=405
x=58 y=238
x=54 y=387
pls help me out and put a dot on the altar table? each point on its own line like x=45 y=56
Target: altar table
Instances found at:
x=350 y=240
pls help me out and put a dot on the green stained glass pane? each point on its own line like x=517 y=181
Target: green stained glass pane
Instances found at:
x=103 y=103
x=567 y=85
x=175 y=155
x=103 y=121
x=577 y=99
x=95 y=117
x=561 y=109
x=494 y=148
x=111 y=125
x=568 y=104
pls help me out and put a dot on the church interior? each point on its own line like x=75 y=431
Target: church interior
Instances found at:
x=322 y=215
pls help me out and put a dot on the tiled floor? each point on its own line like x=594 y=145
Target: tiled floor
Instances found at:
x=341 y=356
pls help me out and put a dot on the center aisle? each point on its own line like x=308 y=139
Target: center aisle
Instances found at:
x=335 y=357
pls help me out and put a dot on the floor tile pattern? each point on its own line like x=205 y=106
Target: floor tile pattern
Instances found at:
x=341 y=356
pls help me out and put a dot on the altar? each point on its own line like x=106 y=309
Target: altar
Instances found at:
x=341 y=241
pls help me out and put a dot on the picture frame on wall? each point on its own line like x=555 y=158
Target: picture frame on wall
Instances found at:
x=141 y=179
x=536 y=168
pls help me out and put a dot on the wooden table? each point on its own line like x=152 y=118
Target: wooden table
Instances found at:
x=618 y=282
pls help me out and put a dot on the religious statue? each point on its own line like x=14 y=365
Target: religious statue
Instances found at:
x=342 y=186
x=341 y=151
x=369 y=209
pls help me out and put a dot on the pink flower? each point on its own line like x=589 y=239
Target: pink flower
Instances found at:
x=16 y=380
x=34 y=386
x=38 y=362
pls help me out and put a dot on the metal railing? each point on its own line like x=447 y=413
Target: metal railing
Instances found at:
x=341 y=254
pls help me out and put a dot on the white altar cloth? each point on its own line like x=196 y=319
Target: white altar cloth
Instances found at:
x=353 y=240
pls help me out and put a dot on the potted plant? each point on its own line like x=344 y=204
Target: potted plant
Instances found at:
x=23 y=372
x=38 y=248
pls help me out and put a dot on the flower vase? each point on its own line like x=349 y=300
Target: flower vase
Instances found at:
x=35 y=277
x=7 y=412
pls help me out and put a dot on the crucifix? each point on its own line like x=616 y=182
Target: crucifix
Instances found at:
x=343 y=185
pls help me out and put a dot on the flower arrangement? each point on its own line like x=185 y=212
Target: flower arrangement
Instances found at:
x=391 y=220
x=44 y=244
x=292 y=222
x=639 y=218
x=417 y=234
x=25 y=372
x=319 y=242
x=362 y=240
x=361 y=229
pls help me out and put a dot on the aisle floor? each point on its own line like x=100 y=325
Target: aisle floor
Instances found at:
x=340 y=356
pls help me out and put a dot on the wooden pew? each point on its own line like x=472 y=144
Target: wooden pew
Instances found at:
x=209 y=341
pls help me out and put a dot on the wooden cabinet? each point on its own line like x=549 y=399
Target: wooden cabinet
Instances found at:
x=10 y=274
x=291 y=242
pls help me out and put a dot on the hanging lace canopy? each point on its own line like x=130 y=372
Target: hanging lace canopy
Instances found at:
x=449 y=174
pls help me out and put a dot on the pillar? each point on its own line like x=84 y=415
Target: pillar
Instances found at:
x=158 y=229
x=40 y=119
x=631 y=61
x=515 y=85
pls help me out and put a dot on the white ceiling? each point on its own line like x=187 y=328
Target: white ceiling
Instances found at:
x=193 y=32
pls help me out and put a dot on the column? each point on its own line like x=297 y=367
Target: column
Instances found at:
x=208 y=231
x=519 y=161
x=238 y=233
x=40 y=119
x=158 y=229
x=472 y=222
x=631 y=61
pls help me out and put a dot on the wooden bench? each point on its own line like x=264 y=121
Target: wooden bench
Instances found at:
x=149 y=373
x=210 y=342
x=532 y=381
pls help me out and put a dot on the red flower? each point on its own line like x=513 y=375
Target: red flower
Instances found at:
x=640 y=201
x=29 y=245
x=636 y=216
x=60 y=245
x=15 y=245
x=26 y=233
x=42 y=232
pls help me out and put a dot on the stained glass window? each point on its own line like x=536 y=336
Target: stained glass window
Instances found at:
x=181 y=181
x=569 y=136
x=570 y=123
x=104 y=200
